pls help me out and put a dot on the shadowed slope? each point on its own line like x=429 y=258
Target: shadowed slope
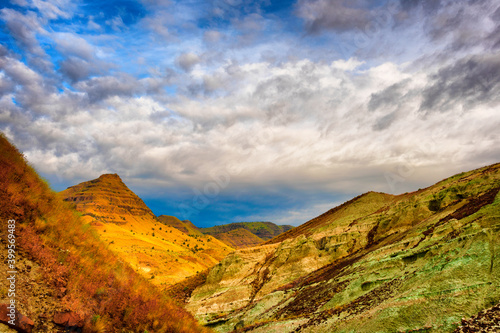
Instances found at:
x=185 y=226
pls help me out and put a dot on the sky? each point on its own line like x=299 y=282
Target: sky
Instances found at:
x=233 y=110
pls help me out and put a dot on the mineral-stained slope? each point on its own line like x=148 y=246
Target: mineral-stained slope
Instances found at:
x=419 y=261
x=159 y=252
x=246 y=234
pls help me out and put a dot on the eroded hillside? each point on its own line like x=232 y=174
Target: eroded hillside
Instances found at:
x=66 y=278
x=379 y=263
x=159 y=252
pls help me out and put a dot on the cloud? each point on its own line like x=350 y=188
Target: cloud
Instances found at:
x=100 y=88
x=250 y=96
x=471 y=81
x=337 y=15
x=187 y=61
x=212 y=36
x=75 y=69
x=24 y=29
x=72 y=44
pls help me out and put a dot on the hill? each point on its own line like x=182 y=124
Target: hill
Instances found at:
x=245 y=234
x=157 y=251
x=419 y=261
x=65 y=274
x=185 y=226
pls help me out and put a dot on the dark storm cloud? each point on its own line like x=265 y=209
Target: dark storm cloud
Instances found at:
x=385 y=121
x=468 y=82
x=338 y=15
x=391 y=95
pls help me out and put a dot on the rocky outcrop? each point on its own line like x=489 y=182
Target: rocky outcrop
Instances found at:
x=70 y=320
x=486 y=321
x=14 y=319
x=107 y=199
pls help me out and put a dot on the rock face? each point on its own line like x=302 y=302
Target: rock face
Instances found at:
x=246 y=234
x=68 y=319
x=21 y=324
x=420 y=261
x=155 y=248
x=486 y=321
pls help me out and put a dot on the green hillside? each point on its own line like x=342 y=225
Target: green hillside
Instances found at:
x=417 y=262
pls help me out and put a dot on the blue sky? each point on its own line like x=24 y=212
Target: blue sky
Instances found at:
x=235 y=110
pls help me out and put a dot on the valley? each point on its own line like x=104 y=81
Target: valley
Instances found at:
x=420 y=261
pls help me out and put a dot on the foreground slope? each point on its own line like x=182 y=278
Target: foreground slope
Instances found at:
x=246 y=234
x=159 y=252
x=64 y=270
x=378 y=263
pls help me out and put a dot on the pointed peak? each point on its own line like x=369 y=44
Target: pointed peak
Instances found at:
x=110 y=176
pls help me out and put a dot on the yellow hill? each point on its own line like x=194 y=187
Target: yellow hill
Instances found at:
x=159 y=252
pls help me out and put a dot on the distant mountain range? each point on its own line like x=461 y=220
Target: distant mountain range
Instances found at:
x=246 y=234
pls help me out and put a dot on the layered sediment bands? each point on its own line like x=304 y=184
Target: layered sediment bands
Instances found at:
x=107 y=199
